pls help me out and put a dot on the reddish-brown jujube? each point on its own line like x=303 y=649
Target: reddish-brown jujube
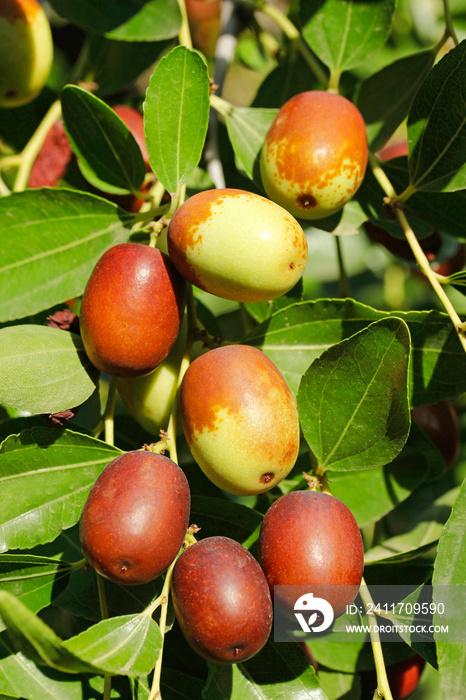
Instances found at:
x=312 y=539
x=222 y=601
x=131 y=310
x=135 y=518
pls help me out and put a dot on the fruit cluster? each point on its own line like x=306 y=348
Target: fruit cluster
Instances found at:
x=238 y=415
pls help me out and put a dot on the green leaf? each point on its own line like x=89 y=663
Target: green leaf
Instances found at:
x=437 y=127
x=176 y=115
x=247 y=128
x=385 y=97
x=127 y=645
x=34 y=580
x=176 y=685
x=132 y=20
x=217 y=516
x=450 y=570
x=343 y=686
x=344 y=33
x=353 y=400
x=52 y=238
x=109 y=157
x=35 y=639
x=345 y=222
x=296 y=336
x=45 y=370
x=45 y=476
x=372 y=494
x=81 y=596
x=278 y=670
x=21 y=678
x=114 y=65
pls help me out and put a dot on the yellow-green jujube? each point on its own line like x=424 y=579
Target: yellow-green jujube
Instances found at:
x=237 y=245
x=240 y=419
x=26 y=51
x=150 y=399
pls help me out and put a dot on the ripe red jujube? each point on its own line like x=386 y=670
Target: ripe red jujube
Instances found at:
x=315 y=154
x=131 y=310
x=135 y=518
x=311 y=539
x=222 y=601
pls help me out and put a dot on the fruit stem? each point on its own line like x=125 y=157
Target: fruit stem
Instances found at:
x=108 y=417
x=449 y=28
x=184 y=35
x=383 y=687
x=220 y=105
x=418 y=253
x=423 y=263
x=155 y=690
x=334 y=81
x=104 y=616
x=292 y=33
x=33 y=146
x=344 y=281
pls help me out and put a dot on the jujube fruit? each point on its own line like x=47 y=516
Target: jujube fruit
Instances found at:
x=204 y=17
x=135 y=123
x=53 y=158
x=26 y=51
x=240 y=419
x=135 y=518
x=311 y=539
x=439 y=422
x=403 y=678
x=149 y=399
x=237 y=245
x=131 y=310
x=315 y=154
x=221 y=600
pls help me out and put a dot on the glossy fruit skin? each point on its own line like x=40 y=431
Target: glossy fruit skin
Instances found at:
x=222 y=601
x=403 y=678
x=131 y=310
x=440 y=423
x=315 y=154
x=26 y=51
x=240 y=419
x=135 y=518
x=237 y=245
x=149 y=399
x=311 y=539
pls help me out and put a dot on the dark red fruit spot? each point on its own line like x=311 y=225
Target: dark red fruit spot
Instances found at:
x=266 y=478
x=306 y=201
x=11 y=93
x=292 y=266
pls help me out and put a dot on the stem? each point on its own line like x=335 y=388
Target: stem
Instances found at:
x=419 y=254
x=108 y=417
x=292 y=33
x=184 y=35
x=449 y=28
x=344 y=281
x=155 y=690
x=34 y=145
x=104 y=616
x=334 y=81
x=221 y=106
x=383 y=687
x=4 y=189
x=431 y=276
